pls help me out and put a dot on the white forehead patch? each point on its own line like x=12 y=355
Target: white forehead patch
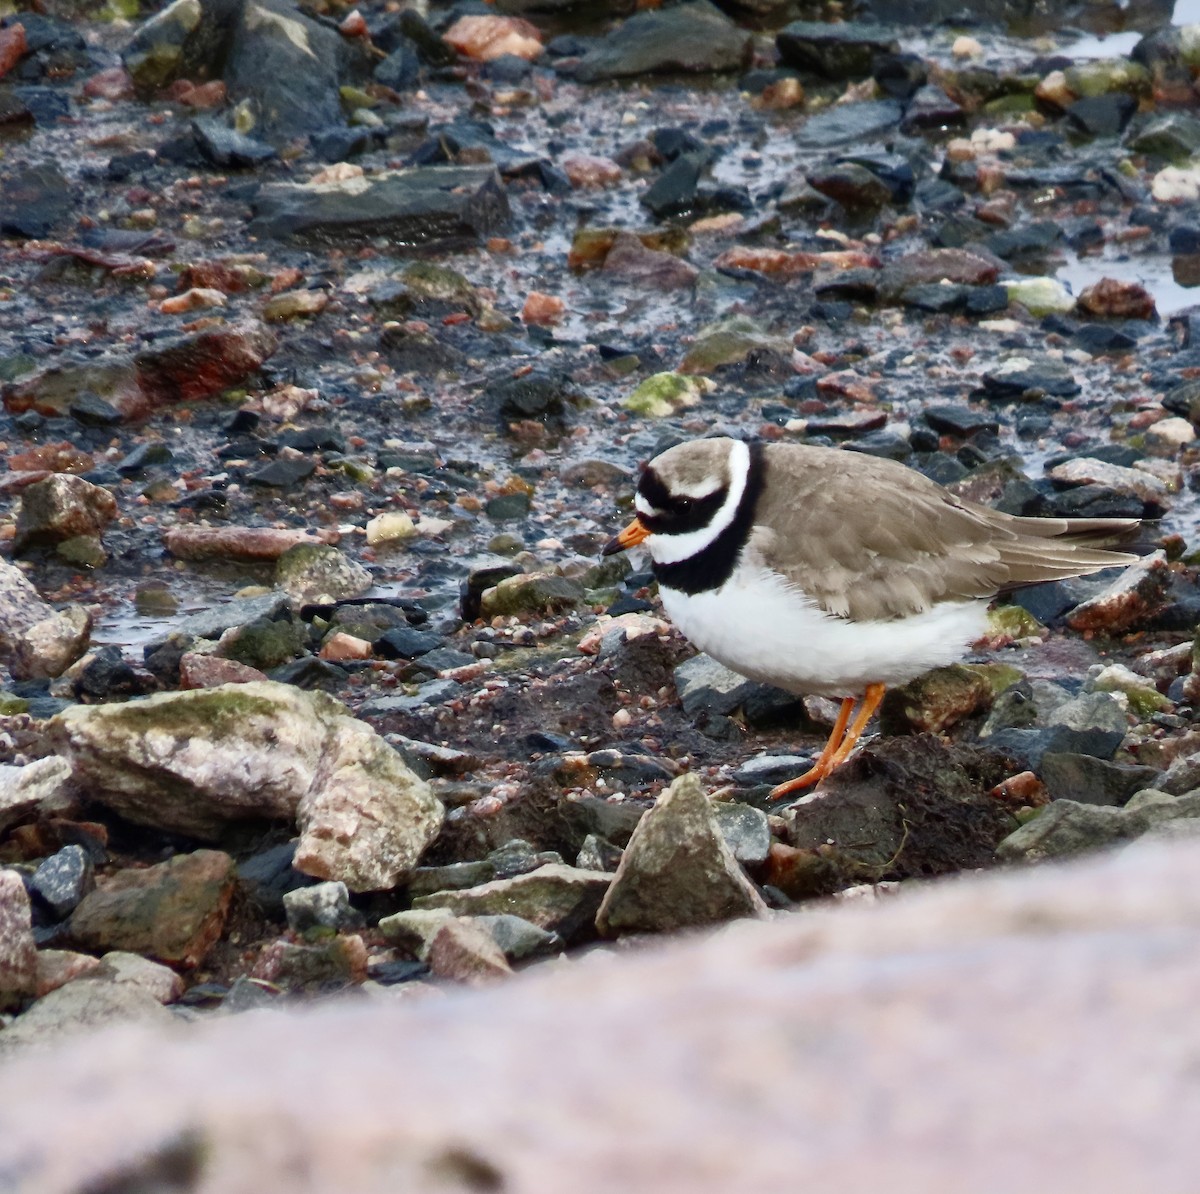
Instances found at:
x=643 y=507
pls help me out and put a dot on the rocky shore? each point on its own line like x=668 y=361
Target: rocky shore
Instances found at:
x=331 y=341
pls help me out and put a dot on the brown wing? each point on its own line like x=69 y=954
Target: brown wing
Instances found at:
x=871 y=539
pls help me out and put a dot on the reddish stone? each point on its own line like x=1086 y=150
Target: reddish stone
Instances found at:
x=112 y=84
x=463 y=952
x=214 y=275
x=1111 y=298
x=173 y=912
x=203 y=365
x=353 y=25
x=12 y=47
x=630 y=259
x=544 y=309
x=847 y=386
x=55 y=458
x=211 y=671
x=1023 y=790
x=590 y=170
x=57 y=967
x=485 y=38
x=237 y=543
x=345 y=646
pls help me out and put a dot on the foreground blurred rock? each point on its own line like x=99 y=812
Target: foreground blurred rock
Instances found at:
x=791 y=1046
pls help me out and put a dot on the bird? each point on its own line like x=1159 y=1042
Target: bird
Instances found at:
x=835 y=573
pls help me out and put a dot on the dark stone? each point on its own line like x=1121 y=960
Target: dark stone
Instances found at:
x=1026 y=240
x=401 y=69
x=987 y=300
x=674 y=190
x=405 y=643
x=1030 y=746
x=853 y=186
x=1099 y=337
x=693 y=36
x=890 y=445
x=900 y=76
x=284 y=473
x=540 y=395
x=509 y=507
x=35 y=201
x=436 y=205
x=1089 y=780
x=442 y=659
x=63 y=879
x=1045 y=375
x=863 y=122
x=852 y=285
x=90 y=410
x=224 y=146
x=937 y=298
x=838 y=52
x=931 y=108
x=478 y=580
x=959 y=420
x=409 y=350
x=266 y=877
x=1102 y=115
x=109 y=674
x=311 y=673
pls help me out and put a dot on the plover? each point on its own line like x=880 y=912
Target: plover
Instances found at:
x=837 y=574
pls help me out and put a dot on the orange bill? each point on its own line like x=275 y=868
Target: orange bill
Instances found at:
x=631 y=536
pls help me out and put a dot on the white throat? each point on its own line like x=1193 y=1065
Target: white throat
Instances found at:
x=670 y=549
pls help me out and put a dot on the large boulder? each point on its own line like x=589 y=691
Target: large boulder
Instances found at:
x=195 y=762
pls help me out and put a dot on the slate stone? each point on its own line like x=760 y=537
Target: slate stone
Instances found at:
x=1030 y=746
x=937 y=298
x=63 y=879
x=837 y=51
x=868 y=121
x=438 y=206
x=959 y=420
x=1018 y=375
x=931 y=108
x=284 y=473
x=224 y=146
x=693 y=36
x=401 y=69
x=402 y=642
x=1102 y=115
x=35 y=201
x=675 y=188
x=1089 y=780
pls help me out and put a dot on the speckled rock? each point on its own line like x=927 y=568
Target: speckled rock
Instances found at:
x=1137 y=594
x=42 y=785
x=312 y=573
x=18 y=953
x=62 y=507
x=677 y=870
x=35 y=639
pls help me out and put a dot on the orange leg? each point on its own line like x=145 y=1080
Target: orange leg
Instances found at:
x=819 y=769
x=841 y=742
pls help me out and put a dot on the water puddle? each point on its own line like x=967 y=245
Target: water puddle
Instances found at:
x=1174 y=282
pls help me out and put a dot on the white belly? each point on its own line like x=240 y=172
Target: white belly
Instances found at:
x=765 y=629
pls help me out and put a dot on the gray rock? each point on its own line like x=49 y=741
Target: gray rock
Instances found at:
x=860 y=123
x=706 y=686
x=225 y=146
x=520 y=939
x=315 y=573
x=771 y=769
x=288 y=67
x=598 y=854
x=323 y=905
x=40 y=786
x=35 y=639
x=1089 y=780
x=87 y=1004
x=1064 y=827
x=186 y=40
x=1091 y=711
x=193 y=762
x=18 y=952
x=119 y=966
x=677 y=870
x=213 y=622
x=63 y=879
x=432 y=692
x=1019 y=374
x=454 y=876
x=693 y=36
x=62 y=507
x=415 y=928
x=1031 y=746
x=431 y=205
x=746 y=830
x=1173 y=135
x=558 y=898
